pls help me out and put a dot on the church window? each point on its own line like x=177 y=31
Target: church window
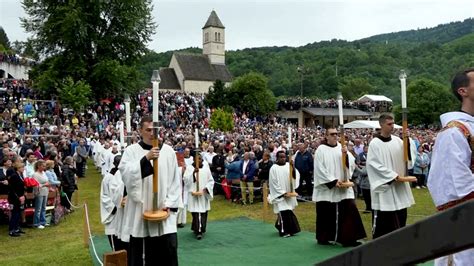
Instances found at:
x=219 y=37
x=215 y=36
x=206 y=37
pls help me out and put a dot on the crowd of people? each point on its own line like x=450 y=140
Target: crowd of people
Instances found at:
x=296 y=103
x=12 y=58
x=256 y=153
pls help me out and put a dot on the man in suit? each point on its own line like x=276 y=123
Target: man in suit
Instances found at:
x=248 y=171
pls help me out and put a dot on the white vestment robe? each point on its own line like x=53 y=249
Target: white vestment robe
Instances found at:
x=184 y=196
x=104 y=159
x=327 y=168
x=279 y=184
x=111 y=193
x=110 y=160
x=98 y=149
x=384 y=164
x=202 y=203
x=140 y=192
x=450 y=176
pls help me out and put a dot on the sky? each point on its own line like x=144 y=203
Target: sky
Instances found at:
x=278 y=22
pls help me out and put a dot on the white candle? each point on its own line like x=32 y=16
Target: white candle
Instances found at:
x=196 y=138
x=155 y=101
x=403 y=82
x=128 y=119
x=341 y=117
x=289 y=137
x=122 y=135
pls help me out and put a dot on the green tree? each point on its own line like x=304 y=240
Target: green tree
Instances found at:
x=97 y=42
x=74 y=95
x=353 y=88
x=427 y=100
x=217 y=95
x=26 y=49
x=4 y=39
x=250 y=93
x=222 y=120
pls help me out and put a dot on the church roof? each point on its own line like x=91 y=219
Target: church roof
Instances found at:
x=213 y=21
x=169 y=81
x=198 y=67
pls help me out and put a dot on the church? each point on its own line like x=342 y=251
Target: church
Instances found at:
x=198 y=72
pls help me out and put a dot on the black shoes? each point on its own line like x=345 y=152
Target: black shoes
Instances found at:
x=20 y=231
x=180 y=225
x=199 y=236
x=14 y=234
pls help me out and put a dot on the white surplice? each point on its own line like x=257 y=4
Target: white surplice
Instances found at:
x=140 y=192
x=201 y=203
x=111 y=193
x=279 y=183
x=384 y=164
x=327 y=168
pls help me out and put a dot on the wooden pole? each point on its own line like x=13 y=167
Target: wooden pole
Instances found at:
x=155 y=214
x=344 y=155
x=196 y=163
x=265 y=200
x=155 y=173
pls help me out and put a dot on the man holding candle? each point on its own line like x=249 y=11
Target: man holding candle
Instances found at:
x=337 y=217
x=390 y=192
x=199 y=185
x=282 y=196
x=452 y=165
x=151 y=242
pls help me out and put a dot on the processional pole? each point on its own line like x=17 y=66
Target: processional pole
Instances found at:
x=292 y=192
x=196 y=163
x=155 y=214
x=343 y=137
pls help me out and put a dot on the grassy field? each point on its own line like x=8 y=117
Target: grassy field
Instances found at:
x=63 y=244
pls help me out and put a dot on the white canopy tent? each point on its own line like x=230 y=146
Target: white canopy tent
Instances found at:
x=374 y=98
x=365 y=124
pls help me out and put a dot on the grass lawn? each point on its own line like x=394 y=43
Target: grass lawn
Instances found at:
x=63 y=244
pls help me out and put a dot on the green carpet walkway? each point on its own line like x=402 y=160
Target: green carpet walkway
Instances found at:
x=242 y=241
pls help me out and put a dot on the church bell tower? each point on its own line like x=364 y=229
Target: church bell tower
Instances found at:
x=213 y=39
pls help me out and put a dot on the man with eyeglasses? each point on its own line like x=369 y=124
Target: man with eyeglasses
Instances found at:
x=389 y=189
x=337 y=217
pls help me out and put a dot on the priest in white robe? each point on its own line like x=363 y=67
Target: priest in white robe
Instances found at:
x=181 y=220
x=111 y=205
x=98 y=149
x=389 y=187
x=110 y=157
x=451 y=175
x=151 y=242
x=282 y=197
x=337 y=217
x=104 y=158
x=199 y=198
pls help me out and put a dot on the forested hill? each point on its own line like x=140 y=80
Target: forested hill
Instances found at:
x=369 y=65
x=441 y=34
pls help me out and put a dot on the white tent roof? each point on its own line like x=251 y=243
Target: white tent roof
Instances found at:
x=374 y=98
x=365 y=124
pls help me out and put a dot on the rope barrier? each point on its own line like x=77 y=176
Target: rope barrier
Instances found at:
x=231 y=186
x=70 y=203
x=90 y=235
x=310 y=201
